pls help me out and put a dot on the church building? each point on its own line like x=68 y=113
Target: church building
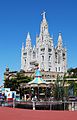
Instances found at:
x=44 y=53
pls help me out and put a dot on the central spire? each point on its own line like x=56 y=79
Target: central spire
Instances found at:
x=44 y=26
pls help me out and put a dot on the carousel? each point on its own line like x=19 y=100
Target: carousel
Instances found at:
x=38 y=86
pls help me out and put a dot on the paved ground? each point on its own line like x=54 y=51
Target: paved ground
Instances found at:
x=24 y=114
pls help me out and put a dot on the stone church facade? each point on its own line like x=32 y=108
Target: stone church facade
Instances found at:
x=44 y=53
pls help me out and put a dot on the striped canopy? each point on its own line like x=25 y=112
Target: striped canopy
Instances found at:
x=38 y=73
x=38 y=78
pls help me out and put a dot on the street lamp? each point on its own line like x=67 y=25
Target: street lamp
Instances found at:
x=59 y=90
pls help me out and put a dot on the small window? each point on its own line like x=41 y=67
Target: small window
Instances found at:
x=43 y=49
x=25 y=54
x=56 y=69
x=49 y=50
x=49 y=69
x=42 y=58
x=25 y=61
x=63 y=56
x=56 y=55
x=34 y=54
x=59 y=68
x=49 y=58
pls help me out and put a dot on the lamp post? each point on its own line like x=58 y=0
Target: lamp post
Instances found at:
x=59 y=91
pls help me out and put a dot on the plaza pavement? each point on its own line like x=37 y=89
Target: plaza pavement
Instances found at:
x=7 y=113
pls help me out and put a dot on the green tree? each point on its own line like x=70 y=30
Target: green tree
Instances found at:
x=59 y=89
x=14 y=83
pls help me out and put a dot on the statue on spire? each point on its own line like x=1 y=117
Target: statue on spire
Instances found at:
x=43 y=14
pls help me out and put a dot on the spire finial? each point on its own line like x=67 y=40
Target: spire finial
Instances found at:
x=43 y=14
x=28 y=35
x=22 y=46
x=60 y=40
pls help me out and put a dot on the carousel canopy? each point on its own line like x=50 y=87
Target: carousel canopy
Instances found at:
x=38 y=78
x=38 y=73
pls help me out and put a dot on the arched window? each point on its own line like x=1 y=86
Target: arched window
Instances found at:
x=59 y=58
x=34 y=54
x=25 y=61
x=42 y=58
x=56 y=69
x=59 y=68
x=49 y=58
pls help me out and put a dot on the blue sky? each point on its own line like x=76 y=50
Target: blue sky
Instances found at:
x=17 y=17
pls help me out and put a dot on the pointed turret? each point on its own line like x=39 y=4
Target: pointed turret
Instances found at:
x=28 y=41
x=60 y=41
x=22 y=46
x=28 y=36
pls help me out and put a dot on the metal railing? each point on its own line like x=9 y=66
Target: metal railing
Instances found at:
x=41 y=105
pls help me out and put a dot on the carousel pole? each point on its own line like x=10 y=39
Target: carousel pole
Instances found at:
x=38 y=92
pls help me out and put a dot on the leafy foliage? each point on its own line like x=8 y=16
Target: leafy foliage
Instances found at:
x=14 y=83
x=59 y=89
x=72 y=73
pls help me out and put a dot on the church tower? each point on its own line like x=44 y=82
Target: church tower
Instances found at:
x=45 y=47
x=44 y=53
x=26 y=54
x=60 y=56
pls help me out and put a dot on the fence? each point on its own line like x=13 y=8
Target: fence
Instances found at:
x=41 y=105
